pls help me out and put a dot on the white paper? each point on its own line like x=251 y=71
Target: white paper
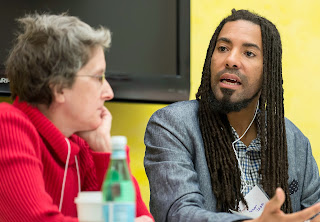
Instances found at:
x=256 y=200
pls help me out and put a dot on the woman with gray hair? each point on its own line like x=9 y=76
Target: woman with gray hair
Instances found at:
x=55 y=137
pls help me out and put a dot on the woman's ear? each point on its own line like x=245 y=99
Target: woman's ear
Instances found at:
x=58 y=93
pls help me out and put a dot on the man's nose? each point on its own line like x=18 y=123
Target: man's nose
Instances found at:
x=233 y=60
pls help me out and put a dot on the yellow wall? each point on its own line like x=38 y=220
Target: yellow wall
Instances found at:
x=130 y=119
x=297 y=22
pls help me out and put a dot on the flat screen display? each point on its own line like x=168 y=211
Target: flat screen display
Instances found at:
x=149 y=58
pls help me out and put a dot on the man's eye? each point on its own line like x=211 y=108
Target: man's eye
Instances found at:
x=250 y=54
x=222 y=49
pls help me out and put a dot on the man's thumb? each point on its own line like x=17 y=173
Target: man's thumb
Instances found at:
x=277 y=200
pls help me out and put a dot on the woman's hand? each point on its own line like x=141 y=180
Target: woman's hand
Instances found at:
x=143 y=218
x=99 y=139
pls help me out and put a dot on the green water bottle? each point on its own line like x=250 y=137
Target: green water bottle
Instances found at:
x=118 y=190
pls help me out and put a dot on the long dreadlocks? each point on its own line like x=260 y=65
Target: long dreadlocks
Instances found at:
x=216 y=130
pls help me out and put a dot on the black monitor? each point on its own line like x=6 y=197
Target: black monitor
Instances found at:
x=149 y=58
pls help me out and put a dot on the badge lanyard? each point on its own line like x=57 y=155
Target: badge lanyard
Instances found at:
x=256 y=198
x=243 y=177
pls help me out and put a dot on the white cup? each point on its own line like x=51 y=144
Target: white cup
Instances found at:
x=89 y=206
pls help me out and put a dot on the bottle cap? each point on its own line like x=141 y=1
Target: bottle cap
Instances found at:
x=118 y=142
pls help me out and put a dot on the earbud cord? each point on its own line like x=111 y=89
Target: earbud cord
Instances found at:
x=242 y=173
x=65 y=174
x=78 y=173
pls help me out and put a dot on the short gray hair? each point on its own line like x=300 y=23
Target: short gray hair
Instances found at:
x=48 y=52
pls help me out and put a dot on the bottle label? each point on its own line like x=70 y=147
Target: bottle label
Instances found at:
x=118 y=154
x=119 y=212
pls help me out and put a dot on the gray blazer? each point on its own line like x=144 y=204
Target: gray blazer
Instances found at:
x=178 y=175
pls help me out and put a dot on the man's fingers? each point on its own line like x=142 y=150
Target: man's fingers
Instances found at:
x=316 y=219
x=305 y=214
x=276 y=202
x=272 y=210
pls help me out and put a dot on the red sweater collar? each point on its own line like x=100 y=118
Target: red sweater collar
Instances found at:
x=49 y=132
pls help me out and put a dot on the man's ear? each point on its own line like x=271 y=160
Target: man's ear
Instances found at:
x=58 y=94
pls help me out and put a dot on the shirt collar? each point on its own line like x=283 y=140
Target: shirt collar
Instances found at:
x=50 y=134
x=255 y=144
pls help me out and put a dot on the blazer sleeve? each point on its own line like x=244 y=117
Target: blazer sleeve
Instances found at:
x=141 y=208
x=174 y=186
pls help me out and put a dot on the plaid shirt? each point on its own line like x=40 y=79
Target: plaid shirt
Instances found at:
x=250 y=161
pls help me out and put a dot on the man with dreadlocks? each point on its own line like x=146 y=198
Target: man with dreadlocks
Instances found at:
x=203 y=157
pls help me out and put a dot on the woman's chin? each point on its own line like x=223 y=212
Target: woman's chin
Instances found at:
x=96 y=124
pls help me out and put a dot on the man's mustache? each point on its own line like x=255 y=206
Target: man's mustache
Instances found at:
x=236 y=72
x=230 y=71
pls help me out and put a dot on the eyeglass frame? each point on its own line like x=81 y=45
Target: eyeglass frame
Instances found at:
x=101 y=78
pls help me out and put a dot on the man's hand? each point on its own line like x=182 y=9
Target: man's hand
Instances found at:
x=272 y=211
x=99 y=138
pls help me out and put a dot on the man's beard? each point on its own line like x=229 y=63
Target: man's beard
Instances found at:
x=225 y=105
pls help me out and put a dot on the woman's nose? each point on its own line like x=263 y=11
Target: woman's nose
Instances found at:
x=107 y=93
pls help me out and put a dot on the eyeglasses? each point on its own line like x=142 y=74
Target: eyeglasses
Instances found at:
x=101 y=78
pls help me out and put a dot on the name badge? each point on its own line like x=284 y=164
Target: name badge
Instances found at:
x=256 y=200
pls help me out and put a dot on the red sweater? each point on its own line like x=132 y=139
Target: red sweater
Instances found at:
x=33 y=155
